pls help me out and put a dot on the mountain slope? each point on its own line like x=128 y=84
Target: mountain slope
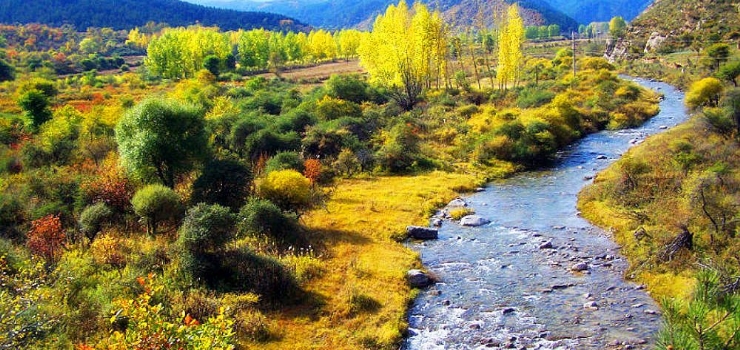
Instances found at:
x=126 y=14
x=353 y=13
x=587 y=11
x=680 y=24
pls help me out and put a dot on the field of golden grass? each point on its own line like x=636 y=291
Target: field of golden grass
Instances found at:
x=361 y=298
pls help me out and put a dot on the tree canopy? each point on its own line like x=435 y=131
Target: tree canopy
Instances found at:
x=161 y=139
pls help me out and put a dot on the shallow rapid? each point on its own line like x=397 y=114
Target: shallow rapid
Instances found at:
x=511 y=284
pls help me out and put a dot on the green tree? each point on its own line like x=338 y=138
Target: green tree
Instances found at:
x=729 y=72
x=161 y=138
x=617 y=27
x=224 y=182
x=7 y=71
x=718 y=54
x=35 y=105
x=262 y=217
x=154 y=204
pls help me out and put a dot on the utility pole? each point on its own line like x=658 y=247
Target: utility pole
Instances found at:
x=573 y=36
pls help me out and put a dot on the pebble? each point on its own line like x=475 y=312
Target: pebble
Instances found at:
x=581 y=266
x=650 y=312
x=591 y=305
x=546 y=245
x=508 y=310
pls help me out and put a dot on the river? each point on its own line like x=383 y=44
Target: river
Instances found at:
x=500 y=286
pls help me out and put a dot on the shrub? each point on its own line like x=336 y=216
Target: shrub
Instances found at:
x=269 y=142
x=400 y=149
x=109 y=250
x=284 y=161
x=347 y=162
x=459 y=213
x=245 y=271
x=206 y=228
x=46 y=238
x=155 y=203
x=288 y=189
x=705 y=92
x=93 y=218
x=330 y=108
x=262 y=217
x=224 y=182
x=349 y=88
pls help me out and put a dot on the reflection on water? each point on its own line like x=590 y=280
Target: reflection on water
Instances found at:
x=503 y=287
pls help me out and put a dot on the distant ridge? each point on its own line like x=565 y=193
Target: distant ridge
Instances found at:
x=587 y=11
x=358 y=13
x=127 y=14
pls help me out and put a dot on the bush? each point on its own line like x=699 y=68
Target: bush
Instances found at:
x=262 y=217
x=330 y=108
x=288 y=189
x=243 y=270
x=349 y=88
x=400 y=150
x=285 y=161
x=206 y=228
x=268 y=142
x=93 y=218
x=224 y=182
x=155 y=203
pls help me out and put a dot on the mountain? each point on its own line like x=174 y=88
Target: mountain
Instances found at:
x=354 y=13
x=587 y=11
x=127 y=14
x=669 y=26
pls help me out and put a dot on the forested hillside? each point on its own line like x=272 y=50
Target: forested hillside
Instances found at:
x=600 y=11
x=127 y=14
x=347 y=13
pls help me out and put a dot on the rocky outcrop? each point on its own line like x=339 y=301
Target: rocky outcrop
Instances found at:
x=654 y=42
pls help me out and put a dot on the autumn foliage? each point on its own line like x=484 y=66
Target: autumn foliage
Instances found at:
x=46 y=237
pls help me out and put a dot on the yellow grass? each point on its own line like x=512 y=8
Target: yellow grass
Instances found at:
x=362 y=261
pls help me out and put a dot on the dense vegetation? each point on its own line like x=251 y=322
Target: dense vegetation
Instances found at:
x=212 y=207
x=672 y=202
x=127 y=14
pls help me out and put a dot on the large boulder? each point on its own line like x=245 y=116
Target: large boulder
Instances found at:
x=418 y=279
x=419 y=232
x=474 y=221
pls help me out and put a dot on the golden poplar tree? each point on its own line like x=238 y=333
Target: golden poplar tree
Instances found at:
x=402 y=52
x=511 y=40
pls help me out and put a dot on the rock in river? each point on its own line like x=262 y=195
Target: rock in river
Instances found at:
x=474 y=221
x=457 y=203
x=418 y=279
x=418 y=232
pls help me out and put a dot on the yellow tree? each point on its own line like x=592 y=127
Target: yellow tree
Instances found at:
x=321 y=45
x=401 y=51
x=348 y=41
x=511 y=40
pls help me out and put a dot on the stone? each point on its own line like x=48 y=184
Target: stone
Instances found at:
x=435 y=222
x=418 y=279
x=474 y=221
x=457 y=203
x=546 y=245
x=650 y=312
x=602 y=157
x=508 y=310
x=424 y=233
x=480 y=189
x=581 y=266
x=591 y=305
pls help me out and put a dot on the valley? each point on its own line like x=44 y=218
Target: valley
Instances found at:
x=237 y=180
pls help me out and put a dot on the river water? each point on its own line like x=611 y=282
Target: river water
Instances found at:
x=502 y=287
